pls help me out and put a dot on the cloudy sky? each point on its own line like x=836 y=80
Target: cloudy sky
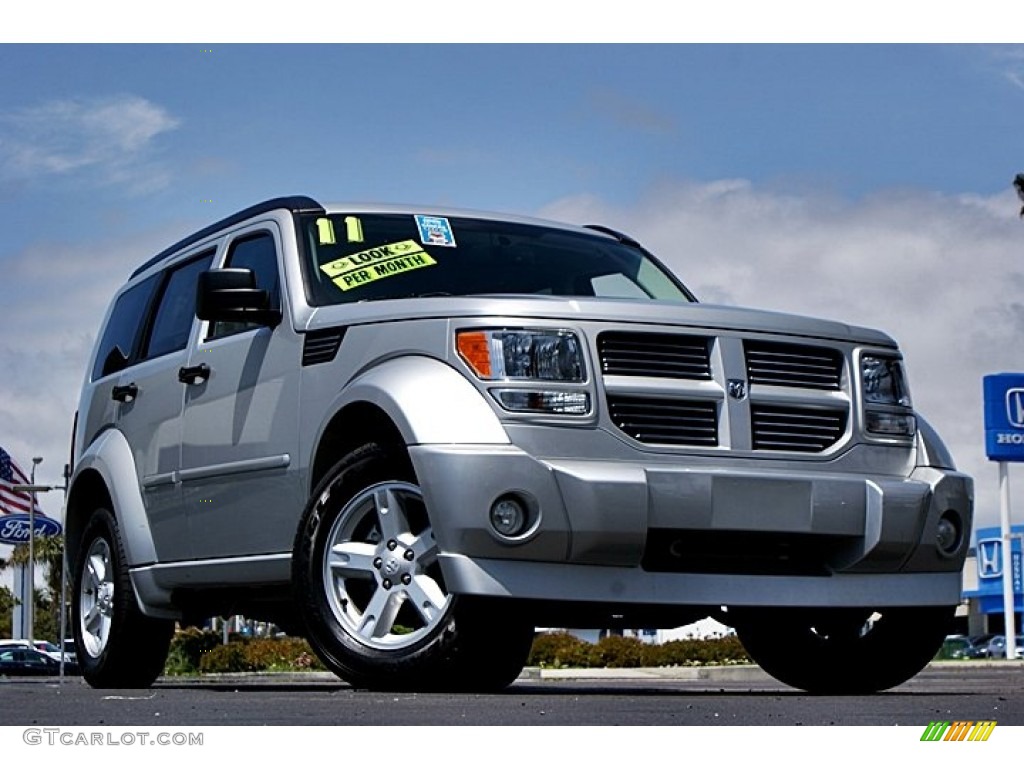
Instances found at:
x=864 y=183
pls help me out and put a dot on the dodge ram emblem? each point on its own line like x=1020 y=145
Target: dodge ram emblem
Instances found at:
x=737 y=389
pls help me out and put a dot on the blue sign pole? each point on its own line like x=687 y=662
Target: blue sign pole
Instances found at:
x=1004 y=442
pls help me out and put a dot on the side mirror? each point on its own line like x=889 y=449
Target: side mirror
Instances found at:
x=231 y=295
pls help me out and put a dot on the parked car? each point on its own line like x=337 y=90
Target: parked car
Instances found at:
x=960 y=647
x=28 y=661
x=996 y=647
x=981 y=642
x=53 y=651
x=414 y=435
x=44 y=646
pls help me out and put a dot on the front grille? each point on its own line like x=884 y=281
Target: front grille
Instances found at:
x=796 y=428
x=665 y=421
x=666 y=355
x=685 y=407
x=793 y=365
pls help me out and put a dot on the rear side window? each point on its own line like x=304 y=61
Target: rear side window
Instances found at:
x=173 y=321
x=123 y=328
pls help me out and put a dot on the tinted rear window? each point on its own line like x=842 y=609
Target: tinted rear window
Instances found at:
x=123 y=329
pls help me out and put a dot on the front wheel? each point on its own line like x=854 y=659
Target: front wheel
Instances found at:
x=842 y=651
x=377 y=609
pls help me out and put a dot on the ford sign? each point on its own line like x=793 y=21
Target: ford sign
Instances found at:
x=14 y=529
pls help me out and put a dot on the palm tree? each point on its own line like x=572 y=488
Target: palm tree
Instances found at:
x=48 y=551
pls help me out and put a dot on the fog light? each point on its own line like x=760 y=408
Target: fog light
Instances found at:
x=508 y=516
x=947 y=533
x=534 y=401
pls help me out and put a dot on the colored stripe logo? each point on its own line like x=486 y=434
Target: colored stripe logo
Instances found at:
x=960 y=730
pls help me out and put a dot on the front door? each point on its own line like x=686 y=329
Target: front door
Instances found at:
x=238 y=450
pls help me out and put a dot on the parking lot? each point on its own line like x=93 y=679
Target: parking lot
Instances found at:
x=741 y=695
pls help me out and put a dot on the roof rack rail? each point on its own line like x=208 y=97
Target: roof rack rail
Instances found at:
x=294 y=203
x=622 y=238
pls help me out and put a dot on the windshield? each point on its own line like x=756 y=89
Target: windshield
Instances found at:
x=363 y=257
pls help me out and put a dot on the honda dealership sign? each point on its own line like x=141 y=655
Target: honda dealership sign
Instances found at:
x=1004 y=416
x=991 y=564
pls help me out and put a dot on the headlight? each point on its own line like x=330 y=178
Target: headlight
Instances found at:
x=886 y=397
x=532 y=355
x=532 y=363
x=883 y=381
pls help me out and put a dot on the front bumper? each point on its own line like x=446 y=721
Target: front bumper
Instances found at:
x=658 y=531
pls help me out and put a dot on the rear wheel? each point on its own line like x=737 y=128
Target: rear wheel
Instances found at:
x=376 y=606
x=842 y=651
x=118 y=646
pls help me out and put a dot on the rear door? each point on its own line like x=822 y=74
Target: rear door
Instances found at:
x=149 y=396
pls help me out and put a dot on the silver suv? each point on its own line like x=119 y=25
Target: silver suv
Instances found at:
x=413 y=435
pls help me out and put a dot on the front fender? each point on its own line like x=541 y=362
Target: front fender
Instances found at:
x=931 y=450
x=429 y=402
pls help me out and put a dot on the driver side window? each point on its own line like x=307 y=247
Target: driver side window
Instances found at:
x=258 y=253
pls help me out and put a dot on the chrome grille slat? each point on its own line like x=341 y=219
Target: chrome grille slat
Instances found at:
x=793 y=365
x=795 y=428
x=665 y=421
x=666 y=355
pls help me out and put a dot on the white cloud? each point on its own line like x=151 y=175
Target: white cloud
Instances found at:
x=1008 y=61
x=943 y=275
x=53 y=297
x=112 y=138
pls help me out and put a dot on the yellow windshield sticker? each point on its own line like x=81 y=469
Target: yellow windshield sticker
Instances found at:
x=325 y=231
x=353 y=229
x=376 y=263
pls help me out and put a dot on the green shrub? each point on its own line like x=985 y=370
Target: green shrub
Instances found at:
x=225 y=658
x=617 y=651
x=187 y=649
x=288 y=654
x=560 y=649
x=280 y=654
x=693 y=652
x=556 y=650
x=194 y=651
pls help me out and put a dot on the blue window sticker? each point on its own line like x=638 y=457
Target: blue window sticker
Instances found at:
x=435 y=230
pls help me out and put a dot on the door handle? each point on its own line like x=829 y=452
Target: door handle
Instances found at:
x=125 y=393
x=194 y=374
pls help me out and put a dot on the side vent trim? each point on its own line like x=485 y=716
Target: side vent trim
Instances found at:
x=322 y=346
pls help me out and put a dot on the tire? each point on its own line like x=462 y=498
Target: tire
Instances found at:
x=372 y=595
x=117 y=646
x=843 y=651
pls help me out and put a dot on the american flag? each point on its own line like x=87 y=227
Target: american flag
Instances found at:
x=11 y=501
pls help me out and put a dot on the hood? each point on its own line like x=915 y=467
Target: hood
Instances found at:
x=619 y=311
